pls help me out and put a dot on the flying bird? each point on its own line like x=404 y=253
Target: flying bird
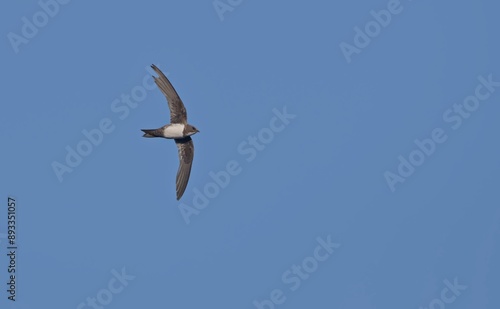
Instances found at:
x=178 y=129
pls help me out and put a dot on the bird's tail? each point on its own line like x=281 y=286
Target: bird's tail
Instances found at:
x=149 y=133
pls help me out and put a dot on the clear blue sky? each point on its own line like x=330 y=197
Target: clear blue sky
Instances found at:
x=355 y=146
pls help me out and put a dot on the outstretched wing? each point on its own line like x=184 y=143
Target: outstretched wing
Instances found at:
x=186 y=154
x=177 y=110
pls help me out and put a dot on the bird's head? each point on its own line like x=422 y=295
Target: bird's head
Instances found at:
x=190 y=130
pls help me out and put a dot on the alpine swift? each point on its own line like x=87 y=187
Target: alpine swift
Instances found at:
x=178 y=129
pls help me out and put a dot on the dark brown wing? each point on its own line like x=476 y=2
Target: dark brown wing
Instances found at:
x=186 y=154
x=177 y=110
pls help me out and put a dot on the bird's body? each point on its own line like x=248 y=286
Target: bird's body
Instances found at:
x=178 y=129
x=171 y=131
x=175 y=130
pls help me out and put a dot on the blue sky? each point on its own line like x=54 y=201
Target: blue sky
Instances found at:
x=354 y=145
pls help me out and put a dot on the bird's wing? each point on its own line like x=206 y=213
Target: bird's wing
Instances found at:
x=177 y=110
x=186 y=154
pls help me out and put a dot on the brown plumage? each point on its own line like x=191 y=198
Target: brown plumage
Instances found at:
x=178 y=129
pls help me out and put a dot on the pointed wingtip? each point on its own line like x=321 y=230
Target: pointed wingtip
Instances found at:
x=158 y=71
x=179 y=194
x=155 y=68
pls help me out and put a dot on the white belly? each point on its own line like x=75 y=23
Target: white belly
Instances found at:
x=174 y=131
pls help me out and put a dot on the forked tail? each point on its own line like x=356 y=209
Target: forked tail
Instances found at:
x=150 y=133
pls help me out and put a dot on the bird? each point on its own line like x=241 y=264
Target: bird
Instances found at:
x=178 y=129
